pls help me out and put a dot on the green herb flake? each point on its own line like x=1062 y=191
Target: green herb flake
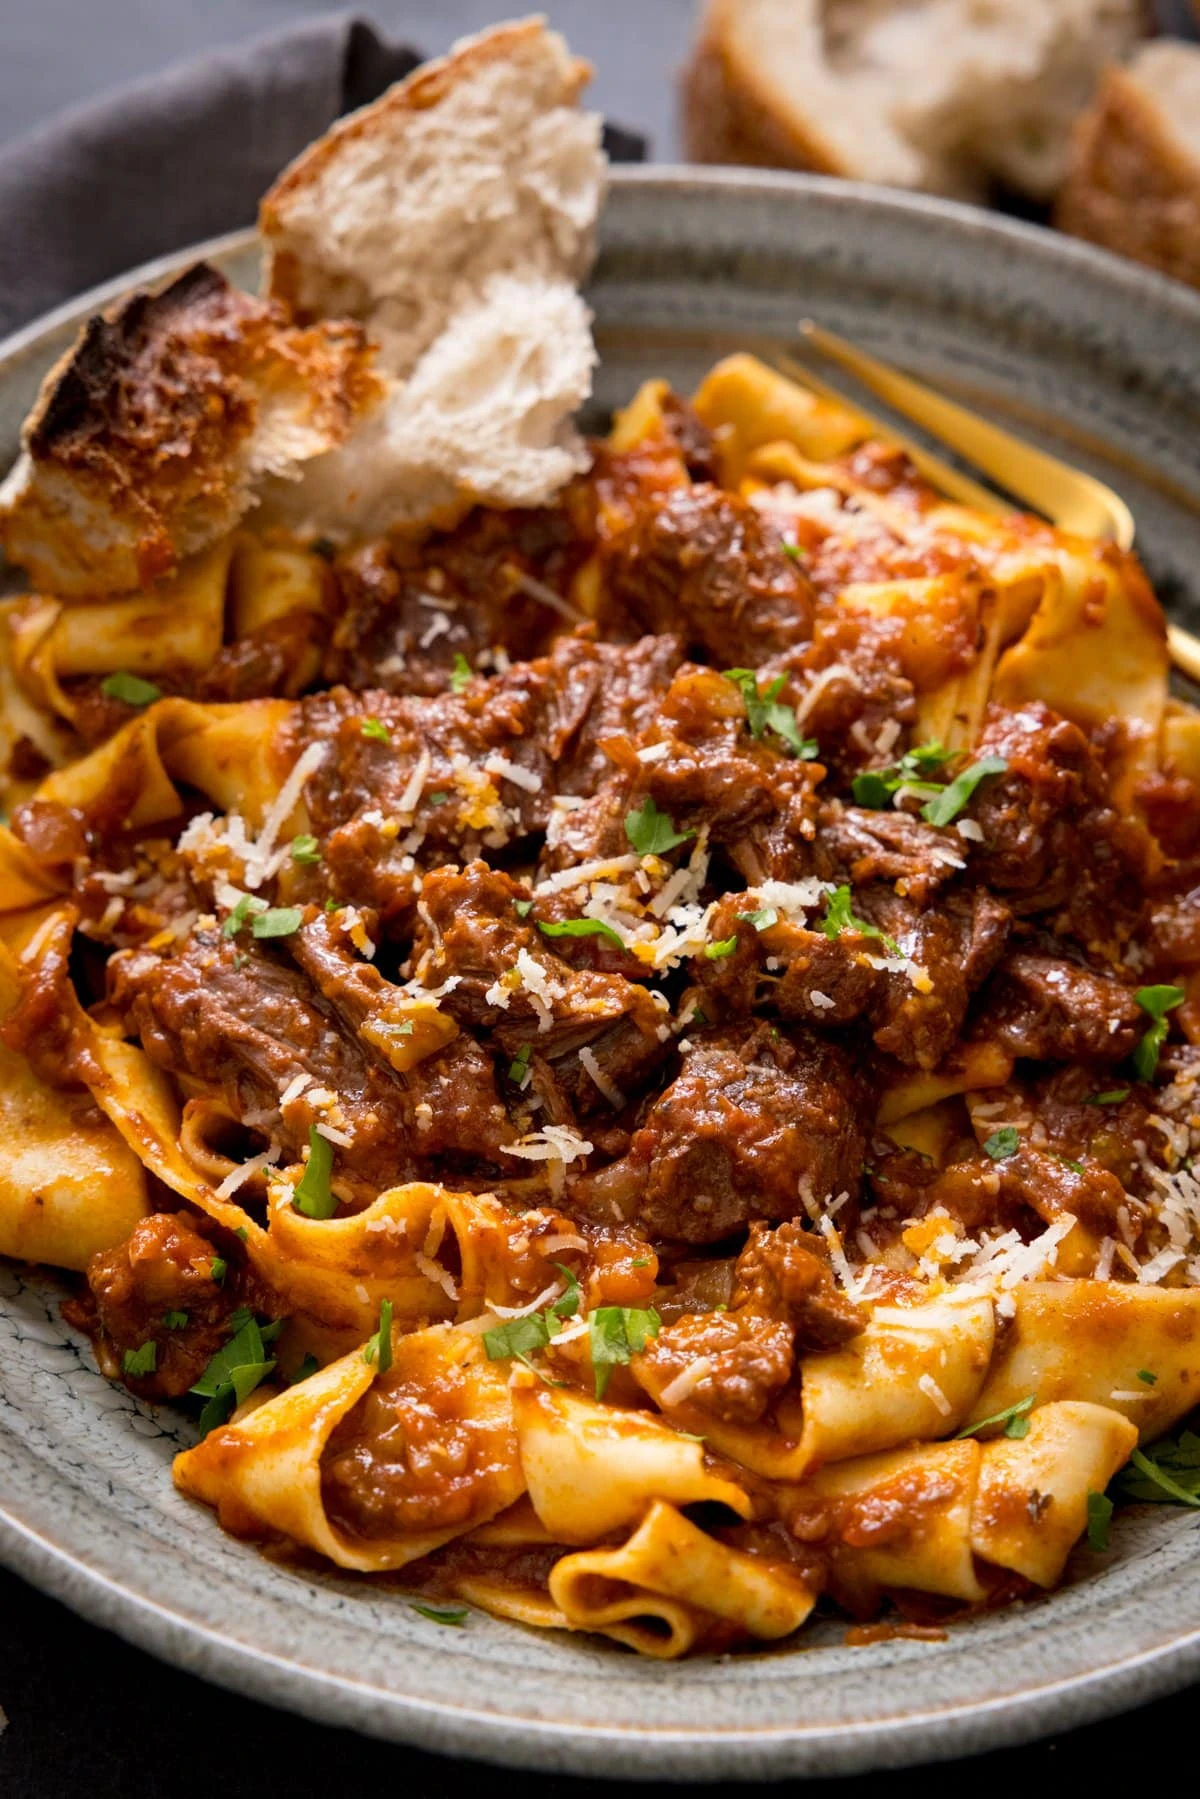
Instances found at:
x=306 y=850
x=1147 y=1379
x=313 y=1196
x=1099 y=1520
x=308 y=1366
x=453 y=1615
x=616 y=1334
x=175 y=1321
x=1113 y=1097
x=1004 y=1142
x=518 y=1068
x=762 y=920
x=131 y=690
x=376 y=730
x=519 y=1337
x=794 y=551
x=218 y=1269
x=725 y=946
x=875 y=787
x=1014 y=1418
x=436 y=799
x=1068 y=1162
x=651 y=832
x=945 y=807
x=232 y=1375
x=1165 y=1473
x=580 y=927
x=567 y=1303
x=461 y=673
x=1156 y=1002
x=141 y=1361
x=765 y=711
x=523 y=908
x=378 y=1349
x=242 y=1233
x=247 y=907
x=277 y=921
x=840 y=917
x=239 y=1320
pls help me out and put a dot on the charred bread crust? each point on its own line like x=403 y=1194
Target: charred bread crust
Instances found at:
x=1133 y=187
x=146 y=435
x=424 y=88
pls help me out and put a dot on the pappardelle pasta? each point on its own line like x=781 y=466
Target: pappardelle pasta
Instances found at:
x=638 y=1057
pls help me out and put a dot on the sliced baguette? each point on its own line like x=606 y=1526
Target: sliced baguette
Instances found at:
x=150 y=436
x=454 y=218
x=1134 y=181
x=945 y=95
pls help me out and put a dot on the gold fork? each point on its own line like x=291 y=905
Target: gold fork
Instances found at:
x=1074 y=501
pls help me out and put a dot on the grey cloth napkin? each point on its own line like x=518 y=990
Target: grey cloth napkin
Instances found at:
x=181 y=156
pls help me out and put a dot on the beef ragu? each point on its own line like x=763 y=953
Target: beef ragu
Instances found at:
x=648 y=1062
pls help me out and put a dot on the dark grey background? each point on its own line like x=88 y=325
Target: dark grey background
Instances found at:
x=89 y=1718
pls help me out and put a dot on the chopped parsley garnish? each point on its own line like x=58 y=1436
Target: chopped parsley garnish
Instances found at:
x=453 y=1615
x=218 y=1269
x=314 y=1196
x=1014 y=1418
x=306 y=850
x=945 y=807
x=567 y=1304
x=376 y=730
x=1004 y=1142
x=1067 y=1162
x=1168 y=1472
x=1148 y=1379
x=141 y=1361
x=875 y=787
x=131 y=690
x=436 y=799
x=332 y=905
x=763 y=919
x=840 y=917
x=243 y=1233
x=378 y=1349
x=1113 y=1097
x=651 y=832
x=795 y=551
x=232 y=1374
x=238 y=1319
x=580 y=927
x=616 y=1334
x=523 y=908
x=247 y=907
x=1099 y=1519
x=724 y=946
x=767 y=712
x=461 y=673
x=1156 y=1002
x=522 y=1337
x=175 y=1321
x=518 y=1068
x=308 y=1366
x=277 y=921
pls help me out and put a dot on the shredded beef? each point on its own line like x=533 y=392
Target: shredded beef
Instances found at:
x=1048 y=1009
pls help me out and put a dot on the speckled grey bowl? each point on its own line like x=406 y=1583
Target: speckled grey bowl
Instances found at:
x=1070 y=346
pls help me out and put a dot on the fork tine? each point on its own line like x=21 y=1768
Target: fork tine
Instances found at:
x=1074 y=501
x=948 y=480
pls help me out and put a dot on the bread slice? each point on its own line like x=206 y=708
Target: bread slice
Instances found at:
x=1134 y=181
x=150 y=436
x=944 y=95
x=454 y=217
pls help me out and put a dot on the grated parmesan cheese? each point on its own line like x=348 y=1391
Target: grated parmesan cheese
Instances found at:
x=934 y=1393
x=685 y=1382
x=609 y=1089
x=524 y=778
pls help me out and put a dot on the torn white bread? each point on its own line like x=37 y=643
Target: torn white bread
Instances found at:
x=945 y=95
x=1134 y=182
x=454 y=218
x=151 y=436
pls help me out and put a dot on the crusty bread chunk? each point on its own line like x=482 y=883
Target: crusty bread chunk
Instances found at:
x=150 y=436
x=1134 y=182
x=454 y=217
x=945 y=95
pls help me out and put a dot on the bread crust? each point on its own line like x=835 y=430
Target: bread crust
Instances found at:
x=1133 y=187
x=727 y=116
x=146 y=434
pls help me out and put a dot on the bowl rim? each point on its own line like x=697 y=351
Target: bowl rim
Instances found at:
x=930 y=1732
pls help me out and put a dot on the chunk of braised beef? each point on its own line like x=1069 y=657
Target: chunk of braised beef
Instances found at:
x=859 y=846
x=1049 y=1009
x=707 y=564
x=1052 y=840
x=750 y=1357
x=751 y=1118
x=222 y=1011
x=950 y=949
x=786 y=1273
x=159 y=1286
x=694 y=439
x=1092 y=1112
